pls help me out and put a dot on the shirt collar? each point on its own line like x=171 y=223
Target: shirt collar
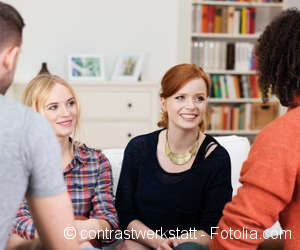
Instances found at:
x=80 y=156
x=80 y=152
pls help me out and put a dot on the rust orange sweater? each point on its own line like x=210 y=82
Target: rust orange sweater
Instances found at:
x=270 y=191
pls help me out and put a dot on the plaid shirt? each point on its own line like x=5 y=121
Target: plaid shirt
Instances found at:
x=89 y=183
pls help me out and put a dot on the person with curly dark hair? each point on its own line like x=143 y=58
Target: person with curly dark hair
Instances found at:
x=271 y=174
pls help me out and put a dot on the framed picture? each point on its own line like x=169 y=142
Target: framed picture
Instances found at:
x=128 y=67
x=86 y=67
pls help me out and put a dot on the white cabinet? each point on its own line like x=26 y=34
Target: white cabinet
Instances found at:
x=113 y=113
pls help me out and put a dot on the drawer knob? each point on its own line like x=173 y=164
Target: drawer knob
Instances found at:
x=129 y=105
x=129 y=135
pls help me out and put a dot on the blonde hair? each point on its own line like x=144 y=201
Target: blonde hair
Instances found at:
x=175 y=79
x=38 y=90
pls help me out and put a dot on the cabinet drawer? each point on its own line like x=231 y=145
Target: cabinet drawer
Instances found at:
x=116 y=105
x=111 y=134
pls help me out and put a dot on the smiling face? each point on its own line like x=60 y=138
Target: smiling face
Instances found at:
x=61 y=110
x=186 y=108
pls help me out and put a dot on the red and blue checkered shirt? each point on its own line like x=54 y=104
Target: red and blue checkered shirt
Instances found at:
x=90 y=185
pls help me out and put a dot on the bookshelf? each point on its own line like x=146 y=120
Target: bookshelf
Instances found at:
x=224 y=36
x=221 y=38
x=240 y=3
x=236 y=132
x=236 y=100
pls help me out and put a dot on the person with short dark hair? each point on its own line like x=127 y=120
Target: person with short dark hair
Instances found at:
x=175 y=181
x=271 y=174
x=30 y=156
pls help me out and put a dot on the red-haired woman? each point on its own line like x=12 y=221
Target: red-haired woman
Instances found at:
x=175 y=181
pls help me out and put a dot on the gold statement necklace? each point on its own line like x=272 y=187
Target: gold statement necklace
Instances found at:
x=181 y=158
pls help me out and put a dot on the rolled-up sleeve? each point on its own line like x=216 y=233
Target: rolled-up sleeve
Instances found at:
x=23 y=223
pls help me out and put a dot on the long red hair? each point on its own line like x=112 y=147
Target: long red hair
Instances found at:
x=175 y=79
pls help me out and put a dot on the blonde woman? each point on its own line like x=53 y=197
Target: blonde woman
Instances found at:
x=87 y=171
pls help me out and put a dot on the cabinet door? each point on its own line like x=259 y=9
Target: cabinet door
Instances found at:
x=116 y=105
x=100 y=134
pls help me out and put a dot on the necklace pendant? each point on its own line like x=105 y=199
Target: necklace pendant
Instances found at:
x=181 y=158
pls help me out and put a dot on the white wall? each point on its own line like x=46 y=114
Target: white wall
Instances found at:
x=57 y=28
x=291 y=3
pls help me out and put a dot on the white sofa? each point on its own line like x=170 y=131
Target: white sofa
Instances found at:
x=238 y=148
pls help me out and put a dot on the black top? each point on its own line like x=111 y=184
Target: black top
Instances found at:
x=193 y=198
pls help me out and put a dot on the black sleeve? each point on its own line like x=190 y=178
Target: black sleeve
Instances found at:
x=218 y=191
x=127 y=187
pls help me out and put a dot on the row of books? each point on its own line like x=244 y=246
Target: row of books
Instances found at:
x=253 y=1
x=223 y=19
x=249 y=116
x=234 y=86
x=230 y=117
x=220 y=55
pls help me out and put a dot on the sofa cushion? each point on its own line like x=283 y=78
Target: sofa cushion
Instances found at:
x=115 y=157
x=238 y=148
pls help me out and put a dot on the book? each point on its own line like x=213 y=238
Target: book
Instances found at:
x=201 y=52
x=230 y=84
x=204 y=18
x=223 y=55
x=224 y=19
x=230 y=21
x=236 y=24
x=252 y=20
x=230 y=56
x=243 y=21
x=247 y=116
x=235 y=118
x=217 y=55
x=218 y=19
x=247 y=21
x=236 y=86
x=210 y=19
x=206 y=53
x=242 y=117
x=194 y=19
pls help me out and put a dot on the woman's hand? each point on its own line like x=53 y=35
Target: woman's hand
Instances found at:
x=131 y=245
x=82 y=226
x=168 y=244
x=199 y=236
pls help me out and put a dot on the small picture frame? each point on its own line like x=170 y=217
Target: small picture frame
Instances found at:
x=86 y=67
x=128 y=67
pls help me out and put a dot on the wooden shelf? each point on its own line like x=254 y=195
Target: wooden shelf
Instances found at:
x=226 y=36
x=230 y=72
x=231 y=132
x=239 y=4
x=239 y=100
x=236 y=100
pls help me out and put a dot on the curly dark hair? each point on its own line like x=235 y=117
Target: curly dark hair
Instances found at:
x=278 y=52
